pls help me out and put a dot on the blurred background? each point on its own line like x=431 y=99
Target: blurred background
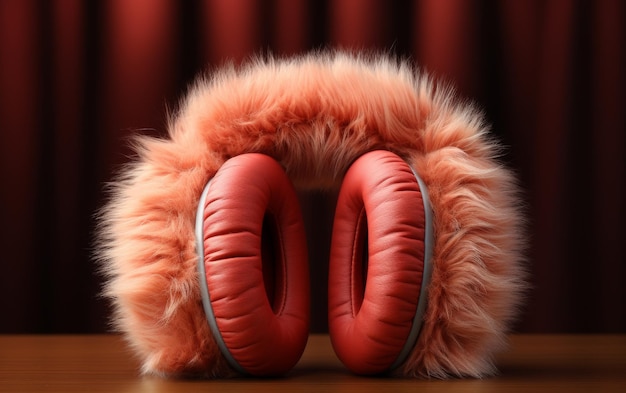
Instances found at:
x=78 y=78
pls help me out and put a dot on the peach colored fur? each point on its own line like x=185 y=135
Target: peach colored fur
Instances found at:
x=316 y=114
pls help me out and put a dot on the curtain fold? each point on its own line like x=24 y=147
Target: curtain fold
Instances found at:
x=79 y=79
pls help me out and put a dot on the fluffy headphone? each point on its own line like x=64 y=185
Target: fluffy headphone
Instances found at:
x=203 y=246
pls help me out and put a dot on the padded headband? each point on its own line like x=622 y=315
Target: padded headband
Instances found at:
x=315 y=115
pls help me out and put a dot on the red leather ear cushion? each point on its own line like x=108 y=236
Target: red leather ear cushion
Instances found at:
x=257 y=337
x=372 y=308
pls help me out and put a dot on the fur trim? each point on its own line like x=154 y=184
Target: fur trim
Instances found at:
x=316 y=114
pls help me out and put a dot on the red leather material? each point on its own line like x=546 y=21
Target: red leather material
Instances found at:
x=263 y=338
x=368 y=330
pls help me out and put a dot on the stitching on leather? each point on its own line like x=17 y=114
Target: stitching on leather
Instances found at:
x=355 y=250
x=283 y=267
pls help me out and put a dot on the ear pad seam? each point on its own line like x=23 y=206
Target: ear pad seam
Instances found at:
x=283 y=259
x=356 y=243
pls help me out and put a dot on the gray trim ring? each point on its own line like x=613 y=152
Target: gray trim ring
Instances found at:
x=429 y=241
x=204 y=289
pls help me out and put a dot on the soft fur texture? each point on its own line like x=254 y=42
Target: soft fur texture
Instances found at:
x=316 y=114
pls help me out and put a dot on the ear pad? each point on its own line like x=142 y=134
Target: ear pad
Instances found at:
x=253 y=265
x=379 y=264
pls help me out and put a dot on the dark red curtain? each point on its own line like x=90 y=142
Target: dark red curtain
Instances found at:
x=77 y=78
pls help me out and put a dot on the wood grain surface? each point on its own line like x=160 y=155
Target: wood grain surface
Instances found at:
x=103 y=363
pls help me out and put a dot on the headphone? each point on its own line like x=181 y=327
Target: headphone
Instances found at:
x=202 y=243
x=257 y=301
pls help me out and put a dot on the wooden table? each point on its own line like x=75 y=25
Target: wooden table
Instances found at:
x=102 y=363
